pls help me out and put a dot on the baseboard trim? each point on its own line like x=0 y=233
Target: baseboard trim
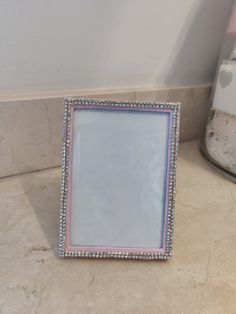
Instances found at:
x=31 y=128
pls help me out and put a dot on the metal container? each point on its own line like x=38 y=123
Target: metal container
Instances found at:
x=219 y=143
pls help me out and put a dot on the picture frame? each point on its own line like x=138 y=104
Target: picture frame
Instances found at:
x=118 y=179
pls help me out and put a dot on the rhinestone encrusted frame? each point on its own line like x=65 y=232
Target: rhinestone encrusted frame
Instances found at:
x=70 y=104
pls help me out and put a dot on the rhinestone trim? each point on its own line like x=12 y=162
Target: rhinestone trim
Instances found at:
x=70 y=104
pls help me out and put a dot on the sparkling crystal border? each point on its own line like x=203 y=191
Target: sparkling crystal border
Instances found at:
x=125 y=105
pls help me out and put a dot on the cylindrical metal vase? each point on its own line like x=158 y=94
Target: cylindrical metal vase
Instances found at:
x=219 y=143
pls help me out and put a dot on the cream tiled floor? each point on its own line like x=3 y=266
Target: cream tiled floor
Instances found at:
x=201 y=277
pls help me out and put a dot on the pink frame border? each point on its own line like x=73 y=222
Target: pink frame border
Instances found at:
x=94 y=249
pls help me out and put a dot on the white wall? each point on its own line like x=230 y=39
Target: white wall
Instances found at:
x=54 y=45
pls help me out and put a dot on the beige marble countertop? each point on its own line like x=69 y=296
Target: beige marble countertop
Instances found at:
x=200 y=278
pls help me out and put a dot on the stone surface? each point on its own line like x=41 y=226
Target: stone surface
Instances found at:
x=30 y=135
x=31 y=130
x=201 y=277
